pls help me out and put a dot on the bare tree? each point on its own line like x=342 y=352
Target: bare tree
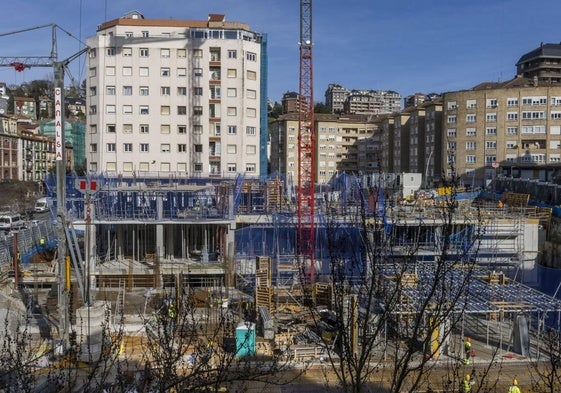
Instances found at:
x=194 y=346
x=400 y=287
x=545 y=369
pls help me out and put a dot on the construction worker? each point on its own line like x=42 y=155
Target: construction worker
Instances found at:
x=465 y=387
x=514 y=388
x=171 y=311
x=467 y=350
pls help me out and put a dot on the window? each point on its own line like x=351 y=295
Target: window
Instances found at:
x=251 y=75
x=232 y=130
x=127 y=52
x=533 y=130
x=555 y=101
x=93 y=91
x=491 y=131
x=251 y=149
x=452 y=119
x=127 y=128
x=232 y=54
x=144 y=110
x=110 y=71
x=512 y=101
x=110 y=147
x=92 y=72
x=182 y=129
x=181 y=91
x=232 y=92
x=470 y=145
x=93 y=147
x=555 y=115
x=197 y=53
x=471 y=104
x=197 y=71
x=165 y=110
x=198 y=148
x=451 y=158
x=181 y=148
x=127 y=147
x=452 y=105
x=198 y=129
x=215 y=92
x=144 y=147
x=145 y=34
x=250 y=130
x=127 y=90
x=251 y=112
x=491 y=145
x=182 y=72
x=492 y=102
x=232 y=111
x=451 y=132
x=471 y=118
x=165 y=90
x=198 y=91
x=110 y=109
x=250 y=56
x=512 y=116
x=93 y=109
x=470 y=159
x=231 y=167
x=165 y=52
x=127 y=71
x=249 y=167
x=164 y=148
x=164 y=71
x=490 y=159
x=92 y=53
x=127 y=109
x=144 y=90
x=491 y=117
x=198 y=110
x=512 y=130
x=471 y=131
x=197 y=167
x=164 y=129
x=536 y=100
x=129 y=34
x=111 y=51
x=110 y=90
x=511 y=145
x=232 y=73
x=144 y=128
x=533 y=115
x=231 y=149
x=182 y=53
x=251 y=94
x=144 y=52
x=143 y=71
x=181 y=110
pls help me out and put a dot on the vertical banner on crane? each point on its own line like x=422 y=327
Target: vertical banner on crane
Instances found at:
x=58 y=123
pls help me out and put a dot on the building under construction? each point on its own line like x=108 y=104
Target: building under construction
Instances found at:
x=236 y=239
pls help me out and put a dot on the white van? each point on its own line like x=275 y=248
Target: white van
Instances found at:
x=41 y=205
x=11 y=222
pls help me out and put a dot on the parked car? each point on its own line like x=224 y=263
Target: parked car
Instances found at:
x=41 y=205
x=11 y=222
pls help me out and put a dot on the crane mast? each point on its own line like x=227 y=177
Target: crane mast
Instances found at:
x=305 y=240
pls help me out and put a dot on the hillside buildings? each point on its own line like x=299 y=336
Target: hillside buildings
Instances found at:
x=342 y=100
x=176 y=97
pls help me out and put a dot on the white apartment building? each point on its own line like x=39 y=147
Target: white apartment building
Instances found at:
x=174 y=97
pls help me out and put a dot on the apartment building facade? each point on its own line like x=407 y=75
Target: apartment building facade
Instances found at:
x=543 y=63
x=342 y=100
x=175 y=97
x=501 y=128
x=337 y=138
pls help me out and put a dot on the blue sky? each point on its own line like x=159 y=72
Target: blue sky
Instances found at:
x=402 y=45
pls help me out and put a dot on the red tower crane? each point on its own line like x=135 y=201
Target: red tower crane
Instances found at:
x=305 y=239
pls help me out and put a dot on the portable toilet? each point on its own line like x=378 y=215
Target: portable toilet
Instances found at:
x=245 y=339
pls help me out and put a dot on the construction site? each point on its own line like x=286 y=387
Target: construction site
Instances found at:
x=233 y=245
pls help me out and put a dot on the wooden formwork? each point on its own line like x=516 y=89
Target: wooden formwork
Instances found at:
x=515 y=199
x=275 y=195
x=263 y=271
x=323 y=294
x=264 y=297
